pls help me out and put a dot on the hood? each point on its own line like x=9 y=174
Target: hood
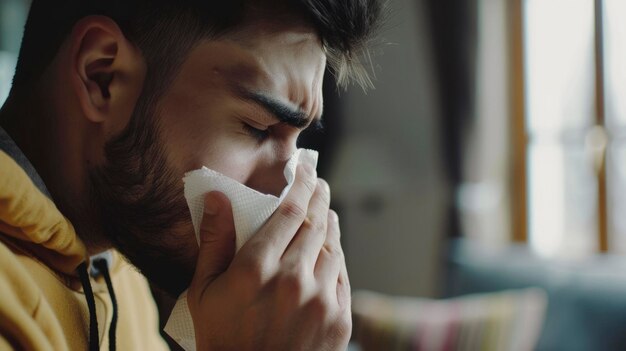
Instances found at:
x=33 y=223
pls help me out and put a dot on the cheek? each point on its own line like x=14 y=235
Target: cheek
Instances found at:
x=191 y=142
x=190 y=148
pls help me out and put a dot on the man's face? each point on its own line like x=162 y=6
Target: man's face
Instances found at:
x=237 y=106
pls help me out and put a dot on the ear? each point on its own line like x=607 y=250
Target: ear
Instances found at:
x=106 y=71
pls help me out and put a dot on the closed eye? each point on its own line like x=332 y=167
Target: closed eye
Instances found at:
x=259 y=134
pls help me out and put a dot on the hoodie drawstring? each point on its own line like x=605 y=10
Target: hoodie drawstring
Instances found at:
x=102 y=267
x=91 y=303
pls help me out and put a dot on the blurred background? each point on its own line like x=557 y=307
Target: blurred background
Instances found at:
x=481 y=185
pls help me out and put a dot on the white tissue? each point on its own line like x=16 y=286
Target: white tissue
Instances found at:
x=251 y=209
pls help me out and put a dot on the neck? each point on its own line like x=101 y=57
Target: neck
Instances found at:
x=25 y=126
x=35 y=133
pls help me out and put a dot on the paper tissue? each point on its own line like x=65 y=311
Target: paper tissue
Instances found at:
x=251 y=209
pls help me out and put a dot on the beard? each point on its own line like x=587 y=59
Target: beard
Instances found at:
x=138 y=202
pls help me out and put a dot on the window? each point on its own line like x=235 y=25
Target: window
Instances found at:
x=560 y=171
x=574 y=151
x=615 y=102
x=559 y=117
x=12 y=18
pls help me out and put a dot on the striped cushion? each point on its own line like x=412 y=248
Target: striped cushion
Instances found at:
x=508 y=320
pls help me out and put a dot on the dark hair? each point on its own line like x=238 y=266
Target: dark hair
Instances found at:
x=165 y=30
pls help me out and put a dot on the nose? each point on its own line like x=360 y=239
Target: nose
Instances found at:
x=268 y=176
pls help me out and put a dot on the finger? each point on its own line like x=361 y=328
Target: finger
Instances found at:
x=272 y=240
x=309 y=239
x=344 y=296
x=217 y=238
x=330 y=259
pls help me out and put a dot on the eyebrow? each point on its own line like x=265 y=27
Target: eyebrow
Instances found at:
x=292 y=116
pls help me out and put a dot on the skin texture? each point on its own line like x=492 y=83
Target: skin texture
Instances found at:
x=113 y=159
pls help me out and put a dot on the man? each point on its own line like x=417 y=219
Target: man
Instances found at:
x=112 y=102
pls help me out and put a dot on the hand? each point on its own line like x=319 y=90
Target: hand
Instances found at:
x=286 y=289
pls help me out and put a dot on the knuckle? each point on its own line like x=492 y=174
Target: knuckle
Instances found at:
x=290 y=284
x=291 y=209
x=251 y=271
x=333 y=252
x=319 y=307
x=307 y=224
x=314 y=225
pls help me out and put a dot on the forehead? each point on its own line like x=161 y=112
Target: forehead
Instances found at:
x=283 y=59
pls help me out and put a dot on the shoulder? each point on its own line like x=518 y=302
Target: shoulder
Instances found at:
x=26 y=317
x=16 y=282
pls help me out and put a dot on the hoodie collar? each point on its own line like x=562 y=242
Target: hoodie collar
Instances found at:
x=28 y=214
x=10 y=148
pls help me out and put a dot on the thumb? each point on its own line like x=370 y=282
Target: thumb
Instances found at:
x=217 y=238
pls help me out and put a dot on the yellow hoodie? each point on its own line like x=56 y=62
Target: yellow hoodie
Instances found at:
x=42 y=303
